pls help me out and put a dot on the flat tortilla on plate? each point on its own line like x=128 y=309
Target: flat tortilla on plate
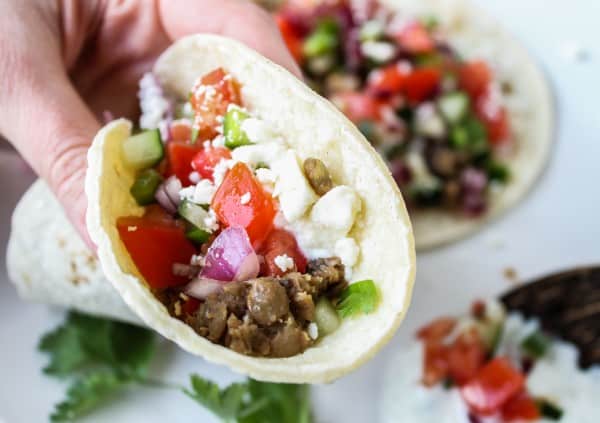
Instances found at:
x=313 y=128
x=476 y=35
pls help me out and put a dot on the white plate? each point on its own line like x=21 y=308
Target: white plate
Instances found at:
x=555 y=228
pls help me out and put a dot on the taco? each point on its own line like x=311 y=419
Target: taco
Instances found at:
x=249 y=221
x=455 y=105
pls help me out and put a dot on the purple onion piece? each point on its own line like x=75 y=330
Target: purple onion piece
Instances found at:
x=201 y=287
x=107 y=116
x=473 y=181
x=231 y=257
x=400 y=172
x=167 y=194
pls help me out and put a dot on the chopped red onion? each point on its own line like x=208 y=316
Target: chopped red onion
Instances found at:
x=231 y=257
x=107 y=116
x=167 y=194
x=400 y=171
x=473 y=180
x=201 y=287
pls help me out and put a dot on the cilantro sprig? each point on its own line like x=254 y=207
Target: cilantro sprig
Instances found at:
x=358 y=297
x=102 y=357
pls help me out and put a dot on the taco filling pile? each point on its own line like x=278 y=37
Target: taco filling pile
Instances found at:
x=240 y=239
x=437 y=119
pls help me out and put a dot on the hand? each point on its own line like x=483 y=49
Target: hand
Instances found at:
x=65 y=62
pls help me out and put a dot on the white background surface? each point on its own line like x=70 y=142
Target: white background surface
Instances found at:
x=555 y=228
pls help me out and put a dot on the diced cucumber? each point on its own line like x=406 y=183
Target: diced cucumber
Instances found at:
x=232 y=128
x=323 y=40
x=459 y=138
x=549 y=410
x=326 y=317
x=372 y=30
x=454 y=106
x=193 y=213
x=145 y=185
x=497 y=171
x=536 y=344
x=197 y=235
x=143 y=150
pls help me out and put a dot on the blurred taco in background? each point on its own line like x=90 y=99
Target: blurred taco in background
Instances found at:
x=532 y=356
x=456 y=106
x=248 y=220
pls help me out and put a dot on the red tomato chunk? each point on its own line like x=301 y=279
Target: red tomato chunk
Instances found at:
x=280 y=242
x=205 y=160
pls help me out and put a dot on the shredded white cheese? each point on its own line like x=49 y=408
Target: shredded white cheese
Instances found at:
x=194 y=177
x=380 y=51
x=211 y=222
x=201 y=193
x=245 y=199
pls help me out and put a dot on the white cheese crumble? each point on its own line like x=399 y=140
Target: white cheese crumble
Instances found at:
x=245 y=199
x=258 y=131
x=292 y=188
x=194 y=177
x=201 y=193
x=218 y=141
x=347 y=250
x=380 y=51
x=265 y=152
x=197 y=260
x=313 y=331
x=221 y=169
x=266 y=176
x=211 y=222
x=337 y=209
x=284 y=262
x=153 y=104
x=428 y=121
x=420 y=173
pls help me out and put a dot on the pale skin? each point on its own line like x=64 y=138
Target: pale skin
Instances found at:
x=64 y=62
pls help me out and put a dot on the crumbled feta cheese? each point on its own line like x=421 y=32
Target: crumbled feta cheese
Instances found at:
x=206 y=144
x=211 y=222
x=428 y=121
x=337 y=209
x=131 y=228
x=347 y=250
x=258 y=131
x=201 y=193
x=313 y=330
x=245 y=199
x=221 y=169
x=218 y=141
x=197 y=260
x=284 y=262
x=194 y=177
x=421 y=175
x=266 y=176
x=265 y=152
x=380 y=51
x=153 y=104
x=292 y=188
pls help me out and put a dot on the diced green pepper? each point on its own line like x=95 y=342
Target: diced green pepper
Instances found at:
x=143 y=150
x=145 y=185
x=197 y=235
x=459 y=138
x=232 y=128
x=549 y=410
x=430 y=22
x=497 y=171
x=323 y=40
x=536 y=344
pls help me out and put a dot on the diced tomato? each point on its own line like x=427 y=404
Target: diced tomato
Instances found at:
x=190 y=305
x=210 y=97
x=255 y=215
x=155 y=244
x=280 y=242
x=205 y=160
x=415 y=39
x=474 y=77
x=388 y=80
x=422 y=83
x=465 y=356
x=292 y=39
x=435 y=363
x=520 y=408
x=180 y=130
x=493 y=385
x=437 y=330
x=359 y=106
x=494 y=116
x=180 y=156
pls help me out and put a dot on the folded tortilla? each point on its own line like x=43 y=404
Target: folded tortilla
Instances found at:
x=476 y=35
x=48 y=262
x=313 y=128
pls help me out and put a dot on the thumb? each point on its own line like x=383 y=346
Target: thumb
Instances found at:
x=52 y=128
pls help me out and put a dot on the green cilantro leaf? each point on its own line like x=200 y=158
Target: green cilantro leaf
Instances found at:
x=87 y=393
x=66 y=352
x=282 y=403
x=359 y=297
x=224 y=403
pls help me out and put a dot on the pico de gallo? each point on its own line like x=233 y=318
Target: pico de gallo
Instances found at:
x=225 y=199
x=437 y=119
x=488 y=357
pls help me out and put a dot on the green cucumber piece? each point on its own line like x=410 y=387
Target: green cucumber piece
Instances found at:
x=145 y=185
x=454 y=106
x=323 y=40
x=326 y=317
x=549 y=410
x=197 y=235
x=497 y=171
x=143 y=150
x=536 y=344
x=193 y=213
x=232 y=129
